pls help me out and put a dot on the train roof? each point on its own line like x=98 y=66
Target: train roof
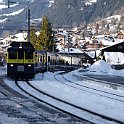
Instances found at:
x=16 y=46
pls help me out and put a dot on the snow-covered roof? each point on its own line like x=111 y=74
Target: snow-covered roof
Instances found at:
x=71 y=50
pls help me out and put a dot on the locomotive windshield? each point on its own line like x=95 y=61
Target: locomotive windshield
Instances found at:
x=20 y=55
x=12 y=55
x=29 y=55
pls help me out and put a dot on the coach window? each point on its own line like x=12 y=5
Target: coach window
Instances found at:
x=29 y=55
x=12 y=55
x=20 y=55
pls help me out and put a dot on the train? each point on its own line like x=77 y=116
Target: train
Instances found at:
x=23 y=61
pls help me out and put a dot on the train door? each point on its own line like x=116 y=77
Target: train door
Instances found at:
x=20 y=66
x=21 y=57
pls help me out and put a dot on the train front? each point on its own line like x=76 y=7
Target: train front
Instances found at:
x=20 y=60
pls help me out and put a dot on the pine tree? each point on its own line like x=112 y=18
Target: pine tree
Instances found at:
x=46 y=37
x=45 y=40
x=33 y=38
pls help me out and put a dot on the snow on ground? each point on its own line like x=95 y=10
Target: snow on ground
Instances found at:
x=4 y=118
x=101 y=67
x=70 y=50
x=3 y=70
x=3 y=20
x=2 y=6
x=10 y=120
x=13 y=13
x=21 y=36
x=97 y=67
x=90 y=2
x=106 y=106
x=109 y=107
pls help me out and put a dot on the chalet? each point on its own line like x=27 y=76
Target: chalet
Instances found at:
x=120 y=35
x=59 y=37
x=119 y=47
x=94 y=44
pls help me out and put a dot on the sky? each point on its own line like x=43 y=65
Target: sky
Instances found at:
x=79 y=96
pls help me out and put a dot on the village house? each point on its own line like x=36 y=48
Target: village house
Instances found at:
x=120 y=35
x=94 y=44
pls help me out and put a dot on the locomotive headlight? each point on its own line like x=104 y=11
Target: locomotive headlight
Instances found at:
x=20 y=47
x=29 y=65
x=11 y=65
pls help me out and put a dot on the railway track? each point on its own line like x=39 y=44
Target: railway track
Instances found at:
x=45 y=98
x=92 y=90
x=59 y=104
x=7 y=91
x=84 y=88
x=12 y=98
x=98 y=117
x=28 y=111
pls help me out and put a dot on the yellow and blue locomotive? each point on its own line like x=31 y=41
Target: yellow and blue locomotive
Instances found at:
x=23 y=61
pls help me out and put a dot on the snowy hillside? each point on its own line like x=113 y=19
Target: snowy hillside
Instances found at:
x=90 y=2
x=15 y=17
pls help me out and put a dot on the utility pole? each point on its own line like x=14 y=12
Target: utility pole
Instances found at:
x=118 y=71
x=64 y=45
x=53 y=47
x=8 y=3
x=68 y=43
x=28 y=39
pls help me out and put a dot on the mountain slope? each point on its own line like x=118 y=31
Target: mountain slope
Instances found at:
x=78 y=12
x=9 y=19
x=60 y=12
